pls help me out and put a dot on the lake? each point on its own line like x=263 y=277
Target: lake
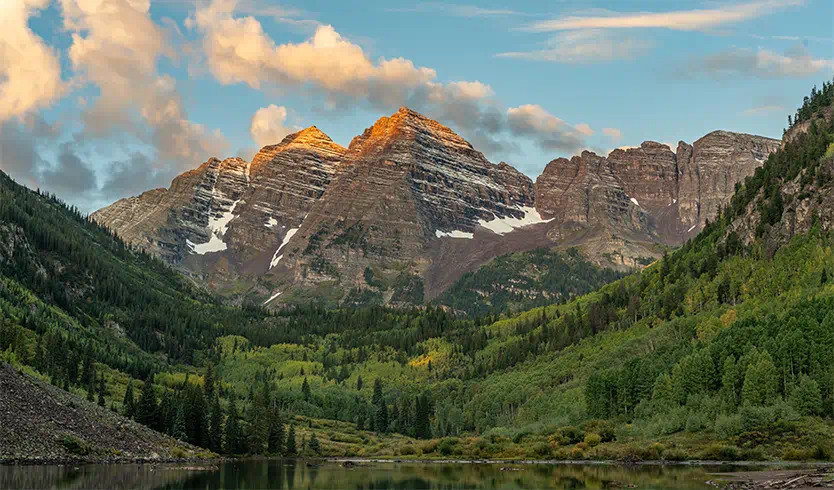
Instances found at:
x=288 y=474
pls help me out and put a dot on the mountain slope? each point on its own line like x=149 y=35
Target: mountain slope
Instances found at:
x=408 y=181
x=399 y=216
x=524 y=280
x=40 y=423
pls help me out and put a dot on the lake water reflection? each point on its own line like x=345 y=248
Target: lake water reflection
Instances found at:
x=287 y=474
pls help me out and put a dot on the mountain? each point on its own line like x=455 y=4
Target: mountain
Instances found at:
x=720 y=350
x=622 y=205
x=42 y=424
x=409 y=207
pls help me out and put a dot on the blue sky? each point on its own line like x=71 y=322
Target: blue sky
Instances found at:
x=101 y=99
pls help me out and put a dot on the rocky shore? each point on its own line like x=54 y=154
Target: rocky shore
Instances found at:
x=43 y=424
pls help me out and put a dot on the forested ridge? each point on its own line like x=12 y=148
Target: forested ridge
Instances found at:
x=723 y=349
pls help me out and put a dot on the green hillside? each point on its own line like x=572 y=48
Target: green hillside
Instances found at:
x=524 y=280
x=724 y=349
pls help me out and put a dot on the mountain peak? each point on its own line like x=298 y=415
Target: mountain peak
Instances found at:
x=405 y=124
x=309 y=135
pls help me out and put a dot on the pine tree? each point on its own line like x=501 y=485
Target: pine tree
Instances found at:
x=394 y=424
x=359 y=383
x=382 y=417
x=196 y=423
x=178 y=427
x=314 y=445
x=377 y=397
x=232 y=437
x=422 y=418
x=91 y=388
x=290 y=448
x=101 y=391
x=305 y=390
x=146 y=408
x=276 y=440
x=129 y=401
x=208 y=381
x=215 y=437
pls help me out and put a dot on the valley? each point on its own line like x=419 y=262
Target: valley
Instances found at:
x=719 y=350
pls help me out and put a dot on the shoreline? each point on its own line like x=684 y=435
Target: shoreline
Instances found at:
x=347 y=461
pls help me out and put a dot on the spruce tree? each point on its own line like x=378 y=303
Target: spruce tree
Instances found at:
x=91 y=389
x=146 y=408
x=178 y=428
x=359 y=383
x=101 y=390
x=275 y=444
x=208 y=381
x=305 y=390
x=215 y=437
x=129 y=401
x=314 y=445
x=382 y=417
x=232 y=436
x=394 y=423
x=290 y=448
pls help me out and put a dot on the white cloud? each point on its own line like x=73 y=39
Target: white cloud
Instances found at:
x=764 y=110
x=30 y=71
x=547 y=130
x=116 y=47
x=238 y=50
x=585 y=129
x=796 y=62
x=471 y=90
x=584 y=46
x=268 y=125
x=613 y=134
x=457 y=10
x=680 y=20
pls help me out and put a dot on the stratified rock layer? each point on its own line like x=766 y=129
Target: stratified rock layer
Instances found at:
x=410 y=206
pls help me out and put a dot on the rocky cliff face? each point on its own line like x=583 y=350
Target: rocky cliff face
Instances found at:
x=710 y=169
x=624 y=204
x=410 y=206
x=218 y=218
x=407 y=181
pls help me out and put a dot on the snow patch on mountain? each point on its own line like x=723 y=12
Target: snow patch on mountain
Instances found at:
x=218 y=226
x=271 y=223
x=277 y=258
x=272 y=297
x=635 y=202
x=502 y=226
x=453 y=234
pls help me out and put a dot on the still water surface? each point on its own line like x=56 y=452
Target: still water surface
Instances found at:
x=285 y=474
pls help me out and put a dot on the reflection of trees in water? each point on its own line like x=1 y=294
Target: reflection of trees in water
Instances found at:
x=287 y=474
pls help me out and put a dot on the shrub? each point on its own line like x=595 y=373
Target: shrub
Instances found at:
x=696 y=422
x=408 y=450
x=540 y=450
x=675 y=454
x=447 y=446
x=570 y=435
x=592 y=440
x=576 y=453
x=606 y=433
x=428 y=447
x=727 y=426
x=178 y=453
x=74 y=445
